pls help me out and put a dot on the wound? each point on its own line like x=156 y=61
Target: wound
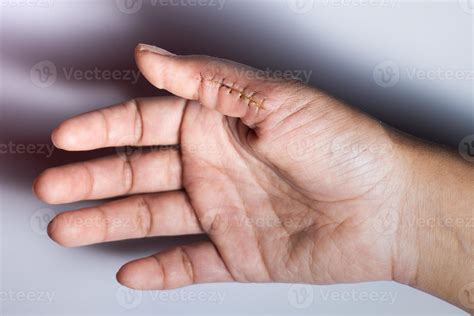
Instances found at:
x=248 y=98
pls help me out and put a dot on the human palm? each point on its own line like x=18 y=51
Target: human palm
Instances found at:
x=288 y=183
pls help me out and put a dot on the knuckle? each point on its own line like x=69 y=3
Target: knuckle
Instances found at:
x=138 y=126
x=143 y=217
x=127 y=176
x=187 y=263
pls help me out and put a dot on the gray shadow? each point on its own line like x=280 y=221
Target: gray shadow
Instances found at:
x=203 y=31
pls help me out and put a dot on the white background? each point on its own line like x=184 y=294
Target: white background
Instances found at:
x=345 y=45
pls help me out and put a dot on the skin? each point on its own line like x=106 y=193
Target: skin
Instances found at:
x=290 y=185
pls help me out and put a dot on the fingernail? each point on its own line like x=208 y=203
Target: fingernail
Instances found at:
x=153 y=49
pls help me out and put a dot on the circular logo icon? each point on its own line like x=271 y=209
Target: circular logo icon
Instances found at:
x=214 y=225
x=386 y=222
x=300 y=296
x=466 y=148
x=127 y=152
x=129 y=6
x=215 y=72
x=299 y=150
x=301 y=6
x=43 y=74
x=466 y=295
x=386 y=74
x=40 y=219
x=467 y=6
x=128 y=298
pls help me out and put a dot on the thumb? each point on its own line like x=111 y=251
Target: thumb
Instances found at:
x=232 y=89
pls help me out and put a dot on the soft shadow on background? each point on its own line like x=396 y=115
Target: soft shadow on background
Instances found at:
x=341 y=46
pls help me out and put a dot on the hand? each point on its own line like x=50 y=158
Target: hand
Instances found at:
x=289 y=184
x=285 y=180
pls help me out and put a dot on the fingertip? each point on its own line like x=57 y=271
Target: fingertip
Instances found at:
x=123 y=276
x=63 y=136
x=66 y=232
x=151 y=62
x=57 y=232
x=143 y=48
x=55 y=138
x=140 y=274
x=44 y=187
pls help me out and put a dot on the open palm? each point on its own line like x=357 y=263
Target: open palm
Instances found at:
x=289 y=184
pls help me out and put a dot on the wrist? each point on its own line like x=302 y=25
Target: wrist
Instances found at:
x=433 y=250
